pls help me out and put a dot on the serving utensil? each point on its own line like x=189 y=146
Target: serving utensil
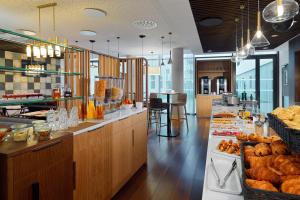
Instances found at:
x=233 y=167
x=215 y=171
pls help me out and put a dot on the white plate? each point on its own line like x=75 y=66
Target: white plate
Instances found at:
x=216 y=151
x=233 y=184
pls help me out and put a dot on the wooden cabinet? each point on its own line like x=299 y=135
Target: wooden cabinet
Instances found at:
x=42 y=172
x=139 y=141
x=92 y=157
x=106 y=158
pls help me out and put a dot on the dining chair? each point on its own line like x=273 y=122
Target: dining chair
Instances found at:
x=179 y=102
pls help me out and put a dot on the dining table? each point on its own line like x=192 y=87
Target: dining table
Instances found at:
x=169 y=125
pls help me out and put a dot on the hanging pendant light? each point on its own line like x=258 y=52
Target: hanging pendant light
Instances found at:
x=50 y=51
x=243 y=53
x=108 y=50
x=170 y=59
x=92 y=54
x=249 y=47
x=28 y=51
x=259 y=39
x=162 y=51
x=235 y=57
x=280 y=11
x=36 y=52
x=142 y=37
x=118 y=38
x=43 y=51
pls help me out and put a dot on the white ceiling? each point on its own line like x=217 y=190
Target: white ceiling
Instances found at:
x=171 y=15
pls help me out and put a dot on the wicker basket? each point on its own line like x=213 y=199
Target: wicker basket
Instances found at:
x=256 y=194
x=290 y=136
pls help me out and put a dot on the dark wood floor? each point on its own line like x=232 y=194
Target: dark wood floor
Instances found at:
x=175 y=168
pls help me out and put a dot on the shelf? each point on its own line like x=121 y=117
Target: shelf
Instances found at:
x=22 y=38
x=22 y=70
x=32 y=101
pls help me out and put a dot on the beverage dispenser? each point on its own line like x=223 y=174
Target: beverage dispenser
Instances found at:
x=205 y=84
x=221 y=85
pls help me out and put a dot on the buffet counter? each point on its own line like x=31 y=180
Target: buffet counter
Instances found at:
x=222 y=163
x=204 y=104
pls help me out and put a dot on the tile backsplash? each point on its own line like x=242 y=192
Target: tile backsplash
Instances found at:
x=20 y=83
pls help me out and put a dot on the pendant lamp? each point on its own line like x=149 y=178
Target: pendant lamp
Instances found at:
x=259 y=40
x=243 y=53
x=249 y=46
x=142 y=37
x=162 y=51
x=108 y=50
x=280 y=11
x=235 y=57
x=170 y=59
x=118 y=38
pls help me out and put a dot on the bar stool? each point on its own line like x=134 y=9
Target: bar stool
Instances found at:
x=157 y=107
x=180 y=102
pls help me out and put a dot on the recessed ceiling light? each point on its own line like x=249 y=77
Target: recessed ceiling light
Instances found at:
x=266 y=48
x=95 y=12
x=88 y=33
x=145 y=24
x=27 y=32
x=274 y=36
x=209 y=51
x=211 y=21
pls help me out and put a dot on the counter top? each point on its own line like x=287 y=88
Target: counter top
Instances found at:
x=10 y=148
x=212 y=143
x=109 y=118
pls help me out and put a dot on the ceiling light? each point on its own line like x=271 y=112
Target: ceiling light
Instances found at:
x=259 y=40
x=280 y=11
x=283 y=26
x=88 y=33
x=274 y=36
x=249 y=47
x=145 y=24
x=211 y=21
x=27 y=32
x=95 y=12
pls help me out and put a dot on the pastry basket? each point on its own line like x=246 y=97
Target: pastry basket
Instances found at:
x=290 y=136
x=256 y=194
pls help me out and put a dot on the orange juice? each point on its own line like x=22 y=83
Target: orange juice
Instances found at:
x=91 y=112
x=100 y=112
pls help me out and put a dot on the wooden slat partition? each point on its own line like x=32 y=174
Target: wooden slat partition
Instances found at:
x=109 y=66
x=135 y=69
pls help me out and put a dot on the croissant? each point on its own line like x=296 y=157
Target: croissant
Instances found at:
x=262 y=149
x=262 y=185
x=279 y=148
x=263 y=174
x=248 y=151
x=288 y=165
x=264 y=161
x=291 y=186
x=289 y=177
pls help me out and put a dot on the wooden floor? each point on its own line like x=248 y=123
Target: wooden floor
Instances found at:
x=175 y=168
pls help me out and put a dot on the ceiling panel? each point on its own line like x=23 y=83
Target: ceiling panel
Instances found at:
x=221 y=38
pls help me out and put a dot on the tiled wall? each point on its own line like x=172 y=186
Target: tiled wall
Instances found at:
x=18 y=83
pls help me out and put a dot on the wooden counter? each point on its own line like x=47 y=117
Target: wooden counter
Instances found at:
x=204 y=104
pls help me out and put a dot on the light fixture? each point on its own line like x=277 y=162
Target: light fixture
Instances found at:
x=211 y=21
x=280 y=11
x=50 y=51
x=235 y=57
x=92 y=54
x=249 y=46
x=243 y=53
x=259 y=39
x=57 y=51
x=28 y=51
x=36 y=52
x=162 y=51
x=43 y=51
x=274 y=36
x=27 y=32
x=87 y=33
x=145 y=24
x=95 y=12
x=282 y=27
x=142 y=37
x=108 y=50
x=118 y=38
x=170 y=59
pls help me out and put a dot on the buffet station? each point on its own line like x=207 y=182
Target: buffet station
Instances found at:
x=252 y=156
x=58 y=138
x=213 y=78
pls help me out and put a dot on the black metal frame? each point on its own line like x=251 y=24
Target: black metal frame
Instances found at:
x=275 y=58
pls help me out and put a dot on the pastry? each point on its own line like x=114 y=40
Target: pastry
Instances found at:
x=261 y=185
x=252 y=137
x=262 y=149
x=229 y=147
x=288 y=165
x=288 y=177
x=242 y=137
x=279 y=148
x=248 y=151
x=291 y=186
x=264 y=139
x=263 y=174
x=255 y=161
